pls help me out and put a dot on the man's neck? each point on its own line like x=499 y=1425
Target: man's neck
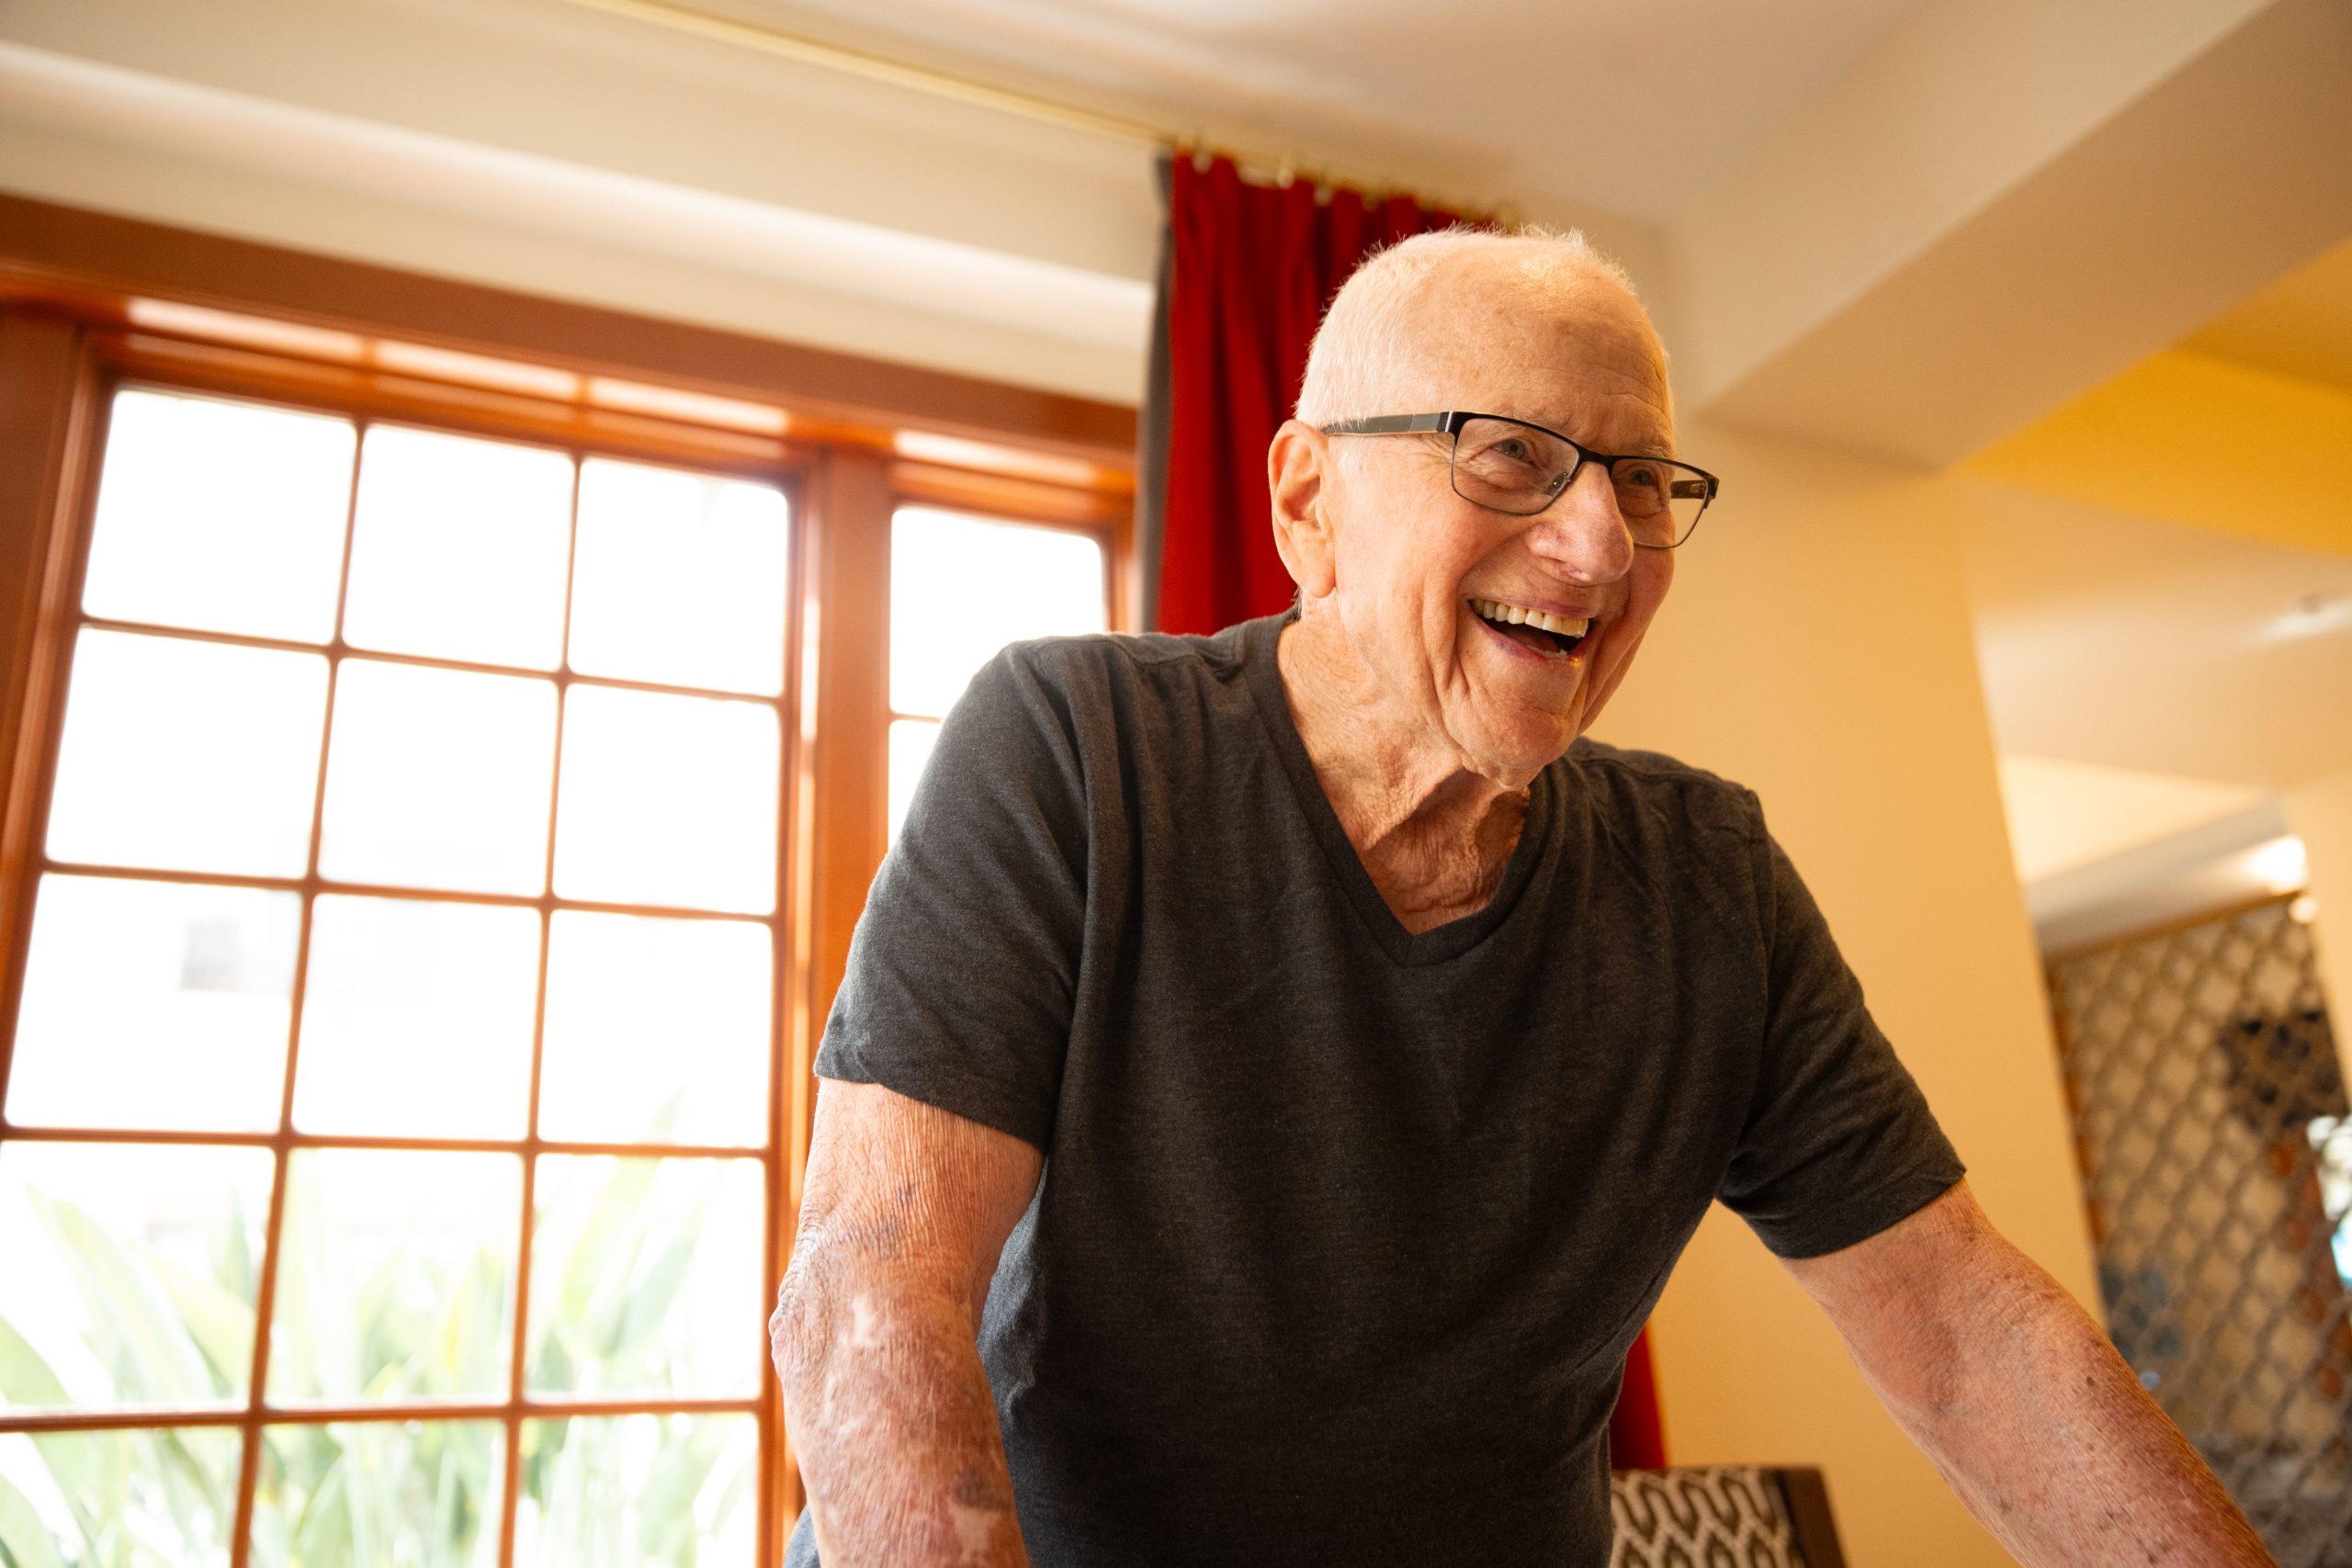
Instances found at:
x=1434 y=833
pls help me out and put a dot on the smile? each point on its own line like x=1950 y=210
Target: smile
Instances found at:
x=1546 y=636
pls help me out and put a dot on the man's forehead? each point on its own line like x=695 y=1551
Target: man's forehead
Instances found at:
x=1576 y=348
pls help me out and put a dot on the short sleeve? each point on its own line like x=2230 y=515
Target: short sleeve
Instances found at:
x=963 y=967
x=1839 y=1143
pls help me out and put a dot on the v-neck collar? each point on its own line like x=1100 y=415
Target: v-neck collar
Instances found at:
x=1261 y=667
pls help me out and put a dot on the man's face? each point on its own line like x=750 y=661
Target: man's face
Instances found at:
x=1411 y=558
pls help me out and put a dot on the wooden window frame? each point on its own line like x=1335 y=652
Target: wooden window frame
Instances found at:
x=69 y=281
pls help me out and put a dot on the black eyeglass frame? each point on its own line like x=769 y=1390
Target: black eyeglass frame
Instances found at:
x=1450 y=425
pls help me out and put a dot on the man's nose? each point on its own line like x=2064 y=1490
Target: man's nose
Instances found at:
x=1582 y=535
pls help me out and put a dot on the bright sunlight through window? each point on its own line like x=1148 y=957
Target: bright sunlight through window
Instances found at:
x=962 y=587
x=388 y=1158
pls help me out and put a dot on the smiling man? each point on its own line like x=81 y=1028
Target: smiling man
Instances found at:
x=1277 y=1071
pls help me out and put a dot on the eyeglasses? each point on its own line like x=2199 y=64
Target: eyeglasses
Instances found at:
x=1509 y=465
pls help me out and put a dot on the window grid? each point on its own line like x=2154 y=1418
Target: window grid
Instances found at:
x=926 y=498
x=929 y=498
x=519 y=1405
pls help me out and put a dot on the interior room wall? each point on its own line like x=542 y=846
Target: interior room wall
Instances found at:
x=1817 y=647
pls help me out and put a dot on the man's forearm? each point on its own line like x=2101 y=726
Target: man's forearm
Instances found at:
x=2053 y=1445
x=891 y=1417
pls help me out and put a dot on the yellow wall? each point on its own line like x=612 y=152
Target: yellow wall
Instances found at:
x=2196 y=440
x=1817 y=647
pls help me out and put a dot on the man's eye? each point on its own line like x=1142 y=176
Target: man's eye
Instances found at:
x=1514 y=449
x=1641 y=489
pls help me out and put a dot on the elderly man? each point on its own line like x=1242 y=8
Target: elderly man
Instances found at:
x=1277 y=1071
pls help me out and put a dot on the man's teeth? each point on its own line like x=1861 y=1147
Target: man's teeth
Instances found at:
x=1512 y=614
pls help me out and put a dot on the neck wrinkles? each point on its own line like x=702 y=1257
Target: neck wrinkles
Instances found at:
x=1434 y=834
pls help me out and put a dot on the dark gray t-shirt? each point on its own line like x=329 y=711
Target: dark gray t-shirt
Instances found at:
x=1344 y=1231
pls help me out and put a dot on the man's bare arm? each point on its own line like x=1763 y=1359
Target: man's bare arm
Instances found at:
x=904 y=1212
x=2019 y=1399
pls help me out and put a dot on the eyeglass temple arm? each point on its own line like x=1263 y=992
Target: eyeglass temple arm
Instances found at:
x=1393 y=425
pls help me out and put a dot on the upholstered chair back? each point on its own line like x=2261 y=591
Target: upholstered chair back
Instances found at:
x=1722 y=1517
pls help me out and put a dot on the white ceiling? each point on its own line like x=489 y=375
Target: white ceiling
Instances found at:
x=2119 y=640
x=2064 y=815
x=1627 y=106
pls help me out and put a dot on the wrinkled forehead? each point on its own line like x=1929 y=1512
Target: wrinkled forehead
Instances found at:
x=1564 y=346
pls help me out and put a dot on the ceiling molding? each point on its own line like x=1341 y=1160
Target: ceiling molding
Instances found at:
x=810 y=250
x=1851 y=312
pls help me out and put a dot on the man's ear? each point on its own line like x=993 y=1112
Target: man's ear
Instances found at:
x=1298 y=463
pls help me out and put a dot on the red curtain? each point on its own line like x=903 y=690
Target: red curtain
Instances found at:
x=1248 y=269
x=1636 y=1434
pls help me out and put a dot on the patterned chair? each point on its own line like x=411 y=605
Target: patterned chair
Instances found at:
x=1722 y=1517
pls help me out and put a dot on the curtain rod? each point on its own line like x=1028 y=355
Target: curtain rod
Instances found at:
x=945 y=85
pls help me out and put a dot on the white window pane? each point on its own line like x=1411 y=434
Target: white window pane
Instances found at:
x=131 y=1271
x=394 y=1494
x=682 y=1488
x=910 y=744
x=667 y=800
x=438 y=778
x=396 y=1278
x=657 y=1030
x=457 y=551
x=645 y=1277
x=416 y=1018
x=679 y=579
x=962 y=587
x=188 y=756
x=221 y=516
x=155 y=1005
x=172 y=1489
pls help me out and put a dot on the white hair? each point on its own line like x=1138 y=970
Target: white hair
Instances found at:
x=1362 y=351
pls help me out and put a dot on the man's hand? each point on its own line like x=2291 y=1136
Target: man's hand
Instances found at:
x=2020 y=1401
x=906 y=1208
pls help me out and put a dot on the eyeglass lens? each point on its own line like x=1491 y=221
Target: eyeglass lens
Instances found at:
x=1519 y=469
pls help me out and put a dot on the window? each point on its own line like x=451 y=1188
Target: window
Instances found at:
x=263 y=830
x=389 y=1160
x=962 y=587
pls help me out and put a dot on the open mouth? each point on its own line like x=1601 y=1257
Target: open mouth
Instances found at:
x=1554 y=636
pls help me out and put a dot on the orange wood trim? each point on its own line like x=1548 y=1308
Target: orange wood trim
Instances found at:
x=385 y=890
x=543 y=1408
x=1028 y=500
x=843 y=777
x=149 y=358
x=852 y=513
x=560 y=676
x=288 y=1139
x=98 y=261
x=792 y=1031
x=510 y=1489
x=49 y=405
x=282 y=1155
